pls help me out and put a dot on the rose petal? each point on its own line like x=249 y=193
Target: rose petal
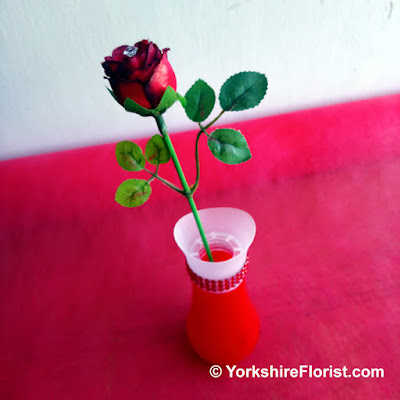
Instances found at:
x=131 y=90
x=142 y=45
x=142 y=75
x=158 y=54
x=162 y=77
x=111 y=67
x=136 y=61
x=151 y=53
x=114 y=66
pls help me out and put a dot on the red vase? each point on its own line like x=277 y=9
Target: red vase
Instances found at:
x=222 y=325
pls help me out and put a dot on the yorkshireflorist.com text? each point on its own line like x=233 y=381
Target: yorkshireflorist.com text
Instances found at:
x=302 y=371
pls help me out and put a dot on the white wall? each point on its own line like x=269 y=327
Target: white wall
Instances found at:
x=314 y=52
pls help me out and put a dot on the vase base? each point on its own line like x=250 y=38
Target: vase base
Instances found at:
x=222 y=328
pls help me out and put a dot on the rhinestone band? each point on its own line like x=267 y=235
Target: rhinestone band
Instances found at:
x=221 y=285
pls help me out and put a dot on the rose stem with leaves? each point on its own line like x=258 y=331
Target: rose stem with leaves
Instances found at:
x=154 y=96
x=187 y=192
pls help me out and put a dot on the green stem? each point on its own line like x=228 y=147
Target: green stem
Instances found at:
x=196 y=184
x=163 y=129
x=164 y=181
x=154 y=174
x=214 y=120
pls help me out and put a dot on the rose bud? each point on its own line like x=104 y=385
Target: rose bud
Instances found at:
x=141 y=73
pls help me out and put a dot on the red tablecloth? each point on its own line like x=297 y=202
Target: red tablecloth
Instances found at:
x=93 y=296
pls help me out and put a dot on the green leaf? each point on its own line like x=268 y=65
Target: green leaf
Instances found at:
x=243 y=91
x=168 y=99
x=133 y=193
x=129 y=156
x=112 y=94
x=200 y=101
x=229 y=146
x=134 y=107
x=156 y=151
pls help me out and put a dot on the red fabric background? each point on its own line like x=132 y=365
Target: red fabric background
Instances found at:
x=93 y=296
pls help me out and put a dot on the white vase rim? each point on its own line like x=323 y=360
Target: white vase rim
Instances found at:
x=238 y=226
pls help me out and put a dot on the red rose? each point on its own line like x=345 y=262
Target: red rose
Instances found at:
x=141 y=72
